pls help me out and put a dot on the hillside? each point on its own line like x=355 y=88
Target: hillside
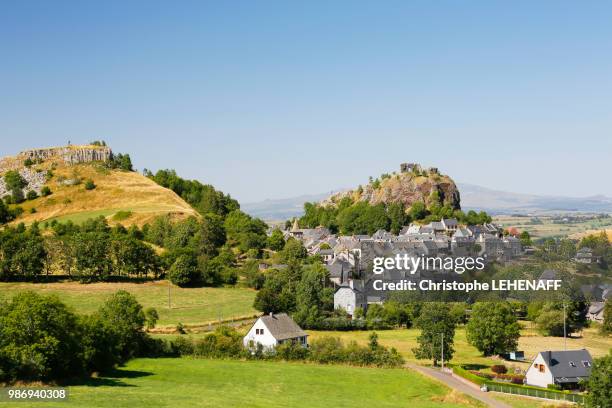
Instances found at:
x=412 y=184
x=119 y=195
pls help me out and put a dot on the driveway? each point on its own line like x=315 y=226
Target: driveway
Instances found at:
x=459 y=385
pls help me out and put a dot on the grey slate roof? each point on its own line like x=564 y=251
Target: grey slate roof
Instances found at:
x=561 y=367
x=282 y=327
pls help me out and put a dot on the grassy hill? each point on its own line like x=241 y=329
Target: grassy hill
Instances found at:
x=123 y=196
x=190 y=306
x=185 y=382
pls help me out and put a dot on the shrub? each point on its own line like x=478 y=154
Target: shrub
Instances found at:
x=45 y=191
x=89 y=185
x=122 y=215
x=151 y=317
x=499 y=369
x=32 y=210
x=556 y=387
x=28 y=162
x=31 y=195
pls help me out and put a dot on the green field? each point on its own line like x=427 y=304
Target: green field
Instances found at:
x=546 y=227
x=220 y=383
x=190 y=306
x=404 y=340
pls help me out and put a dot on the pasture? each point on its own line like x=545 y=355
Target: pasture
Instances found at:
x=189 y=306
x=186 y=382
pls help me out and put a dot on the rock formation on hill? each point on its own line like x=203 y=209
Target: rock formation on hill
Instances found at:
x=411 y=184
x=68 y=155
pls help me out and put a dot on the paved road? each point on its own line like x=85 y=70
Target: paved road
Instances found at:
x=459 y=385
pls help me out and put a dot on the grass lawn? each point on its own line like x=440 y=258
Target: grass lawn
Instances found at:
x=516 y=401
x=189 y=305
x=530 y=342
x=221 y=383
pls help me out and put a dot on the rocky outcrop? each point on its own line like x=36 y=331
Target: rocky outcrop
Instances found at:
x=410 y=185
x=35 y=181
x=70 y=154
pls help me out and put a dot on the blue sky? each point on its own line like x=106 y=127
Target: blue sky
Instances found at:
x=276 y=99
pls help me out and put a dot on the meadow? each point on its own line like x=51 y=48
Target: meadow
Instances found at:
x=531 y=342
x=189 y=306
x=547 y=228
x=185 y=382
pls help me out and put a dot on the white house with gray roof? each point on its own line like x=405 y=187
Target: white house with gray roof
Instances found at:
x=564 y=368
x=274 y=329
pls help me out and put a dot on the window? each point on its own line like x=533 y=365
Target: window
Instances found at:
x=542 y=368
x=259 y=331
x=572 y=364
x=586 y=363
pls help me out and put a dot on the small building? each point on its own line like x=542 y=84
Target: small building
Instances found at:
x=272 y=330
x=596 y=311
x=585 y=256
x=514 y=356
x=564 y=368
x=349 y=298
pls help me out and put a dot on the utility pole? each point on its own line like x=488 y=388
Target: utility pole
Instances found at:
x=564 y=328
x=442 y=351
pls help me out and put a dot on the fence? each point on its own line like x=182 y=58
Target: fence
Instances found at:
x=534 y=392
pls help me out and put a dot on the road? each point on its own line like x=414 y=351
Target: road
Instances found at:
x=459 y=385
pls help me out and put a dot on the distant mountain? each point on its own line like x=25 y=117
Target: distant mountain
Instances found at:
x=281 y=209
x=473 y=197
x=495 y=201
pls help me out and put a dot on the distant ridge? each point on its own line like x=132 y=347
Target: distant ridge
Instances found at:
x=473 y=197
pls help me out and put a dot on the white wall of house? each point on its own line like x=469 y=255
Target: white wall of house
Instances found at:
x=345 y=298
x=264 y=337
x=535 y=377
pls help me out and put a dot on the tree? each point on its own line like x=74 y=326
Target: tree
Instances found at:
x=599 y=386
x=293 y=250
x=45 y=191
x=493 y=328
x=31 y=195
x=525 y=238
x=551 y=317
x=276 y=241
x=184 y=271
x=39 y=339
x=123 y=315
x=418 y=211
x=309 y=295
x=133 y=257
x=151 y=317
x=4 y=213
x=437 y=331
x=606 y=327
x=13 y=180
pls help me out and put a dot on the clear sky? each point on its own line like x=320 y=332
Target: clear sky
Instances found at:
x=268 y=99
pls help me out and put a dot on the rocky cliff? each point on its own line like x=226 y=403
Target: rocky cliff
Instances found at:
x=43 y=159
x=411 y=184
x=70 y=154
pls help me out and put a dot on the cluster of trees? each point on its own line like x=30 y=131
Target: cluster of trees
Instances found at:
x=301 y=289
x=225 y=342
x=204 y=251
x=121 y=161
x=90 y=252
x=203 y=197
x=550 y=316
x=348 y=217
x=551 y=249
x=58 y=344
x=15 y=184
